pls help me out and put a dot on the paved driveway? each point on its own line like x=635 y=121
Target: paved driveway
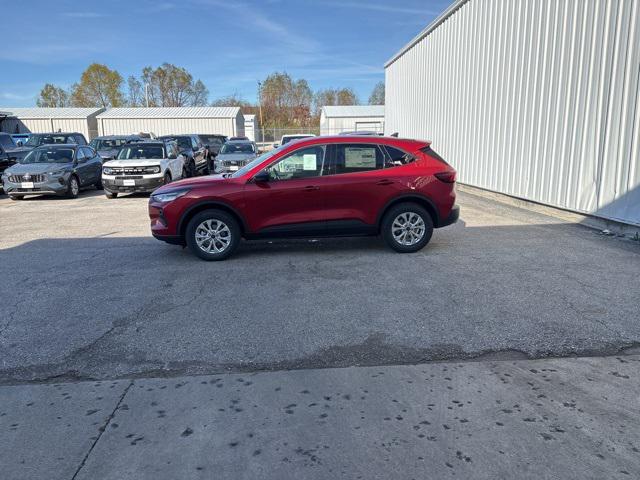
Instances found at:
x=87 y=293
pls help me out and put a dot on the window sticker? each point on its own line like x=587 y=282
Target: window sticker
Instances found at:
x=360 y=157
x=309 y=161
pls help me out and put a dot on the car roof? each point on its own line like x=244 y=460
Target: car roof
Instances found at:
x=56 y=133
x=62 y=145
x=239 y=141
x=116 y=136
x=407 y=142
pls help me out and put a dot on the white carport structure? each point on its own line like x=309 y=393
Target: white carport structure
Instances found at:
x=349 y=118
x=172 y=120
x=44 y=120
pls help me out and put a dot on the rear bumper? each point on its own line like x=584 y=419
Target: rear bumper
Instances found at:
x=453 y=217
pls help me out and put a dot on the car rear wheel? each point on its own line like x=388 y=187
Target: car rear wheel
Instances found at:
x=110 y=195
x=213 y=235
x=407 y=227
x=73 y=188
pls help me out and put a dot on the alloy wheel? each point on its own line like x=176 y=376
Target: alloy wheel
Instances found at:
x=213 y=236
x=408 y=228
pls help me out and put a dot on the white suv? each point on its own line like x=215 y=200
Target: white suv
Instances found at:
x=142 y=167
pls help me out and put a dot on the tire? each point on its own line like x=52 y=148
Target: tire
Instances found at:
x=110 y=195
x=16 y=197
x=98 y=185
x=167 y=179
x=211 y=221
x=73 y=188
x=185 y=174
x=193 y=171
x=414 y=236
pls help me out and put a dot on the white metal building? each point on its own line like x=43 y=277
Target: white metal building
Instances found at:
x=168 y=120
x=349 y=118
x=43 y=120
x=535 y=99
x=251 y=127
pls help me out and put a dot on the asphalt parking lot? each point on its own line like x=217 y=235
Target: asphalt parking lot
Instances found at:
x=88 y=293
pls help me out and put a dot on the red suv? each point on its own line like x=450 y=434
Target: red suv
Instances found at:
x=320 y=186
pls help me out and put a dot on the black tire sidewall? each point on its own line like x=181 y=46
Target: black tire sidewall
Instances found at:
x=70 y=193
x=223 y=216
x=167 y=178
x=387 y=222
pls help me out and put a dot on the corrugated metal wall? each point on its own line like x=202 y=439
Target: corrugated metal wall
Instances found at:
x=538 y=99
x=168 y=126
x=336 y=125
x=46 y=125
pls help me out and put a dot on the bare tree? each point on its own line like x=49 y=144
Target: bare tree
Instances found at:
x=53 y=96
x=136 y=93
x=377 y=95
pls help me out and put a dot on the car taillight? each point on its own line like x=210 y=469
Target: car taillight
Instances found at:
x=446 y=177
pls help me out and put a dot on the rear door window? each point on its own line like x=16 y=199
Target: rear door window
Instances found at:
x=357 y=157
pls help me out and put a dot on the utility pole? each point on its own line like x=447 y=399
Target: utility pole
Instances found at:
x=260 y=107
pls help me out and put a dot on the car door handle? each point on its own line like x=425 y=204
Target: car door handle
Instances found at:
x=311 y=188
x=384 y=182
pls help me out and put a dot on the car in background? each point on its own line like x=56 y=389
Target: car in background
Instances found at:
x=10 y=150
x=143 y=166
x=290 y=138
x=193 y=151
x=38 y=139
x=20 y=138
x=212 y=143
x=324 y=186
x=234 y=155
x=239 y=138
x=62 y=169
x=108 y=146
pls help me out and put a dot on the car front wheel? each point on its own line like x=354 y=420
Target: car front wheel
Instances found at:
x=407 y=227
x=73 y=188
x=213 y=235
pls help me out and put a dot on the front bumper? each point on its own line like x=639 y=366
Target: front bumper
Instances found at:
x=141 y=184
x=453 y=217
x=49 y=186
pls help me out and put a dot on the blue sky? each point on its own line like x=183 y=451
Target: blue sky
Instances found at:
x=228 y=45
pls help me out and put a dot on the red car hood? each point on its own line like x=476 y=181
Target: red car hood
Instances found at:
x=192 y=182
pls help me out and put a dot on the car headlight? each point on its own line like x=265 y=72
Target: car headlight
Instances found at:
x=55 y=173
x=169 y=196
x=152 y=169
x=107 y=170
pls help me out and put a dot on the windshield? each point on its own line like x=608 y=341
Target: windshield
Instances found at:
x=256 y=161
x=237 y=148
x=36 y=140
x=211 y=139
x=141 y=151
x=184 y=143
x=49 y=155
x=107 y=143
x=7 y=142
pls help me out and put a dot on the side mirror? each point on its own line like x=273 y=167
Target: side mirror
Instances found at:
x=172 y=156
x=19 y=143
x=261 y=177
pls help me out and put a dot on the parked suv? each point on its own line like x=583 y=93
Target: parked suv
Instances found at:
x=194 y=152
x=53 y=169
x=235 y=154
x=142 y=167
x=10 y=153
x=108 y=146
x=37 y=139
x=321 y=186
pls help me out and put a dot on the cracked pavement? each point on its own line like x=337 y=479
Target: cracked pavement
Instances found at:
x=88 y=294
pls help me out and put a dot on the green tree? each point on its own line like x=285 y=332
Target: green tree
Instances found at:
x=52 y=96
x=285 y=102
x=377 y=95
x=334 y=96
x=172 y=86
x=136 y=92
x=99 y=86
